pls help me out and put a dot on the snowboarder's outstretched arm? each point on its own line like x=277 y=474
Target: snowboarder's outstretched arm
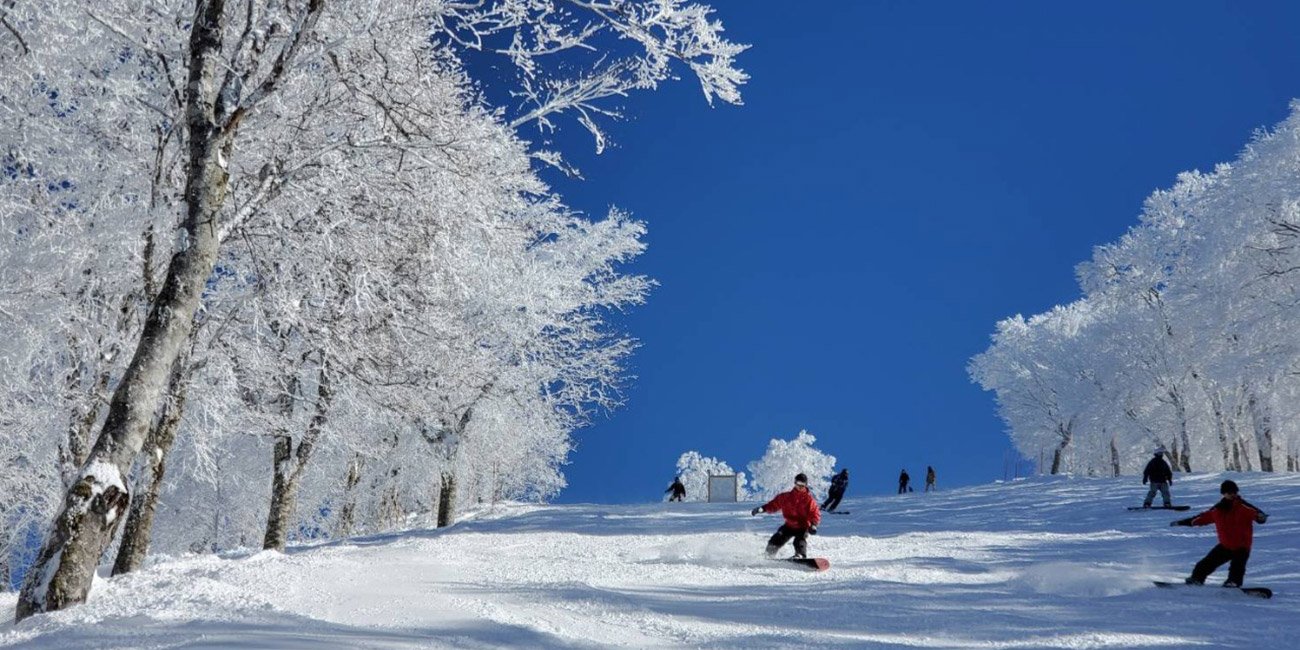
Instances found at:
x=770 y=506
x=1204 y=519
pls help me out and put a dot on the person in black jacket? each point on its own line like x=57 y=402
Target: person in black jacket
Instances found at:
x=677 y=489
x=903 y=480
x=838 y=485
x=1159 y=476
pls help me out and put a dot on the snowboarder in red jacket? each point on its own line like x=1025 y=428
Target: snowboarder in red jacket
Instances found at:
x=801 y=517
x=1234 y=520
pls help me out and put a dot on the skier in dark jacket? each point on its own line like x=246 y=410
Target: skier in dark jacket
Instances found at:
x=801 y=517
x=1234 y=520
x=677 y=489
x=1160 y=477
x=929 y=479
x=838 y=485
x=903 y=479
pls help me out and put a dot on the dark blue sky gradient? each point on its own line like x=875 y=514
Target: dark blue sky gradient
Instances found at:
x=902 y=176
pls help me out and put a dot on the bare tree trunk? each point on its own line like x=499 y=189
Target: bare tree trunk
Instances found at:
x=282 y=487
x=92 y=510
x=447 y=499
x=1114 y=456
x=391 y=512
x=1262 y=418
x=1182 y=455
x=287 y=476
x=1221 y=426
x=347 y=514
x=139 y=525
x=1235 y=423
x=1066 y=432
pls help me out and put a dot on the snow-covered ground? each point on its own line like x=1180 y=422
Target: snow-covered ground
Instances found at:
x=1039 y=563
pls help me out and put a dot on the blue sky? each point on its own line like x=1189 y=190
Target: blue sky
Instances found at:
x=902 y=176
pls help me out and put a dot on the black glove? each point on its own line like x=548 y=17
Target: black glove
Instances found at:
x=1261 y=517
x=757 y=510
x=1182 y=522
x=812 y=530
x=1144 y=481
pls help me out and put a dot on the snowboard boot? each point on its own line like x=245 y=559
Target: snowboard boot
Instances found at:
x=1231 y=585
x=1193 y=581
x=772 y=549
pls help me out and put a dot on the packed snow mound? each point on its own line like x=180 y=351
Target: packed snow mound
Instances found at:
x=1037 y=563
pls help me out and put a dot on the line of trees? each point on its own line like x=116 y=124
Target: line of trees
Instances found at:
x=278 y=269
x=1184 y=336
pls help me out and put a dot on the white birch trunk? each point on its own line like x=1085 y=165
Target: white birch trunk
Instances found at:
x=1221 y=427
x=65 y=565
x=347 y=514
x=1262 y=417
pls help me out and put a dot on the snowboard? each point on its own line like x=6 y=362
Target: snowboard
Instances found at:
x=1159 y=507
x=837 y=512
x=810 y=563
x=1258 y=592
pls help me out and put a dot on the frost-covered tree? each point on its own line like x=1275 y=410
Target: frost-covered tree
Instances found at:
x=775 y=471
x=694 y=470
x=217 y=109
x=1188 y=341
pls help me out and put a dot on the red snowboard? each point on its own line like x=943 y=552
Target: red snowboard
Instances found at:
x=810 y=563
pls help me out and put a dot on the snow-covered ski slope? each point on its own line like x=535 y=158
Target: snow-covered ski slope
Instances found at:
x=1039 y=563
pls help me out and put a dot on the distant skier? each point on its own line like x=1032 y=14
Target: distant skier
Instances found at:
x=902 y=482
x=1160 y=477
x=838 y=485
x=1234 y=521
x=678 y=490
x=801 y=517
x=929 y=479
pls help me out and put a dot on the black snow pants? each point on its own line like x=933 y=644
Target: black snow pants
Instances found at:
x=832 y=500
x=783 y=535
x=1216 y=558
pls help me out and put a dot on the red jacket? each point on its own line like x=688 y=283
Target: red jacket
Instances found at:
x=798 y=507
x=1235 y=524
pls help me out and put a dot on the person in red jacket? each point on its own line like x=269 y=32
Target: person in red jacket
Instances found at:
x=1234 y=520
x=801 y=517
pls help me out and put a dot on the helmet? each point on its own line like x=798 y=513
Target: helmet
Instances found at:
x=801 y=479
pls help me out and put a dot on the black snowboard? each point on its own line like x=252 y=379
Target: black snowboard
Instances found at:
x=838 y=512
x=1258 y=592
x=1159 y=507
x=810 y=563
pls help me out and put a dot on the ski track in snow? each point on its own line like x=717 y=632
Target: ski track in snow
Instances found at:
x=1039 y=563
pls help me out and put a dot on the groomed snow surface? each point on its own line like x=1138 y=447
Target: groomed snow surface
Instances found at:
x=1038 y=563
